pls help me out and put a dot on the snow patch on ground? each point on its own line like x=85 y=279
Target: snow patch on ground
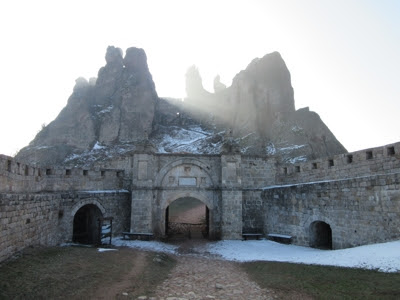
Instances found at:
x=145 y=245
x=106 y=249
x=383 y=257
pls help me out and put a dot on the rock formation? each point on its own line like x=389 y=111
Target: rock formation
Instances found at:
x=116 y=109
x=259 y=109
x=113 y=114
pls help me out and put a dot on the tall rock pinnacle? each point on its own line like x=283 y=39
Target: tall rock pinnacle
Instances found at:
x=116 y=108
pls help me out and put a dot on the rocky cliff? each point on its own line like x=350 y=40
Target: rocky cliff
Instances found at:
x=111 y=115
x=113 y=111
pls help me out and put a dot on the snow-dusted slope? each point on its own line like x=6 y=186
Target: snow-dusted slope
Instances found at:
x=193 y=139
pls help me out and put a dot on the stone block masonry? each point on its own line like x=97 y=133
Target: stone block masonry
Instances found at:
x=47 y=218
x=28 y=219
x=231 y=225
x=141 y=214
x=253 y=220
x=380 y=160
x=354 y=198
x=17 y=177
x=359 y=211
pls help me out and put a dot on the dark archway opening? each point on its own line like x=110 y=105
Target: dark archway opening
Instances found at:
x=187 y=218
x=86 y=226
x=320 y=235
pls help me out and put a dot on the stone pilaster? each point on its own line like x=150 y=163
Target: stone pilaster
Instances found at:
x=231 y=221
x=142 y=193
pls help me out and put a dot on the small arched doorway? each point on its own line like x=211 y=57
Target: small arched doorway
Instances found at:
x=320 y=235
x=187 y=217
x=86 y=226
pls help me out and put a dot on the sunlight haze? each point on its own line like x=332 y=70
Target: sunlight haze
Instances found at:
x=343 y=55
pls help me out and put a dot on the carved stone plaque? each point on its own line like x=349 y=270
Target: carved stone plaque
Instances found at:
x=187 y=181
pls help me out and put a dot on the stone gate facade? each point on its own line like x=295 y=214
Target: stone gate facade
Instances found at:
x=342 y=201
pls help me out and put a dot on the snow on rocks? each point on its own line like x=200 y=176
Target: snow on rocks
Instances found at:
x=189 y=140
x=97 y=146
x=291 y=148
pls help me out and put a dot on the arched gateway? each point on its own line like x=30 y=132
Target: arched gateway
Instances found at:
x=86 y=225
x=187 y=217
x=159 y=180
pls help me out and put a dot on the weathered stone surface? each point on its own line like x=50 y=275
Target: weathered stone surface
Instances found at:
x=107 y=116
x=274 y=190
x=218 y=85
x=116 y=108
x=46 y=218
x=356 y=194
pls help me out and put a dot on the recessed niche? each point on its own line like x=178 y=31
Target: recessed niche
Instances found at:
x=349 y=159
x=369 y=155
x=390 y=151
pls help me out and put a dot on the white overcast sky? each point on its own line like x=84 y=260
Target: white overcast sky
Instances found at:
x=343 y=55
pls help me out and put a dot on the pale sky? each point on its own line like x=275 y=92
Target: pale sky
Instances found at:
x=343 y=55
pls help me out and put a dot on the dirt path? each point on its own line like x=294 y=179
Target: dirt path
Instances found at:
x=111 y=291
x=208 y=278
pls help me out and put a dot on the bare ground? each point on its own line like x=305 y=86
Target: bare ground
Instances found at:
x=111 y=291
x=205 y=278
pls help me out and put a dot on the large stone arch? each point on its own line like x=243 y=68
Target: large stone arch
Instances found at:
x=183 y=161
x=77 y=207
x=206 y=197
x=84 y=202
x=178 y=177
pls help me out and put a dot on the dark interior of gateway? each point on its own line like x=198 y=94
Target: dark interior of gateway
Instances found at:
x=86 y=225
x=320 y=235
x=187 y=218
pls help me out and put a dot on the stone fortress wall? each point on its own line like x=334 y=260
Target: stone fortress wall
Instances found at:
x=379 y=160
x=357 y=195
x=17 y=177
x=38 y=204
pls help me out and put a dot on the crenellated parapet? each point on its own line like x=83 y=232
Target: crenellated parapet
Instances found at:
x=18 y=177
x=373 y=161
